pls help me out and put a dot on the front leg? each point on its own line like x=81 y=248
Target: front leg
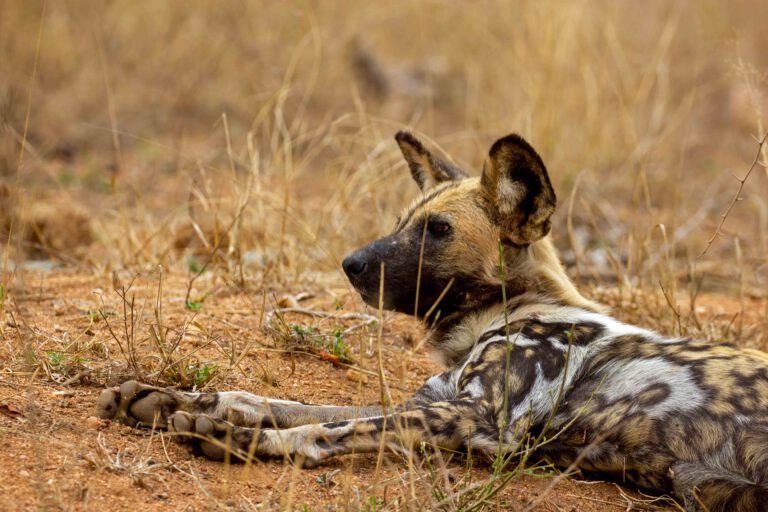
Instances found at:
x=135 y=404
x=449 y=425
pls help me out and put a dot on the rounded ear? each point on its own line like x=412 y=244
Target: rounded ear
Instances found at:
x=427 y=169
x=516 y=190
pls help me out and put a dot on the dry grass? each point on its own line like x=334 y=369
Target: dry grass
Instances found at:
x=239 y=150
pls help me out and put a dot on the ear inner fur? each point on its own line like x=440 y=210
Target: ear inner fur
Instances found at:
x=427 y=169
x=517 y=190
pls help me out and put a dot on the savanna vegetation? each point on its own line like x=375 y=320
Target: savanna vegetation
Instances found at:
x=180 y=180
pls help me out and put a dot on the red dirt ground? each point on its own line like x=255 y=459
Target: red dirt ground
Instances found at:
x=57 y=356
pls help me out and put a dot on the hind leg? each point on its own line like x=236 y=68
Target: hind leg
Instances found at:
x=703 y=488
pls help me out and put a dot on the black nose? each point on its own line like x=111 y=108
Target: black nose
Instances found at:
x=353 y=265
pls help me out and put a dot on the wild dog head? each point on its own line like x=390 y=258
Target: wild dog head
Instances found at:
x=444 y=254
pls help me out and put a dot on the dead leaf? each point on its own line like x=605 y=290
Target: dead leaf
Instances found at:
x=11 y=410
x=326 y=356
x=95 y=423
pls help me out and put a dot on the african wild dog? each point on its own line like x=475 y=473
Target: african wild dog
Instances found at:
x=524 y=350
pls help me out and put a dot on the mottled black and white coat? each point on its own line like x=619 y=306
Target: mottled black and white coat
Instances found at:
x=524 y=352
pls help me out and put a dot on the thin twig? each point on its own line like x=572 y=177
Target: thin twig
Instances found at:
x=368 y=319
x=756 y=161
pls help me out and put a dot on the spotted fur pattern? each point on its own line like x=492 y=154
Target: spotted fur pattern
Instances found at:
x=525 y=354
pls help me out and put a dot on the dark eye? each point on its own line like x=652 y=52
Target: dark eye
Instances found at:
x=438 y=228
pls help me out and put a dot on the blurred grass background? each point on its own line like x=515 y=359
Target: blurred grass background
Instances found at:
x=259 y=133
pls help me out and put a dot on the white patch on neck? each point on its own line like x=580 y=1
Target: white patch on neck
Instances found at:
x=463 y=337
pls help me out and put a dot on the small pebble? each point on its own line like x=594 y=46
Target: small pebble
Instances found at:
x=24 y=473
x=59 y=308
x=356 y=376
x=94 y=422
